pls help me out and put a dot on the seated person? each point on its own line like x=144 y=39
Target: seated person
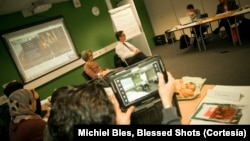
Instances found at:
x=13 y=86
x=91 y=68
x=55 y=94
x=224 y=6
x=4 y=114
x=195 y=15
x=126 y=51
x=25 y=124
x=90 y=104
x=193 y=12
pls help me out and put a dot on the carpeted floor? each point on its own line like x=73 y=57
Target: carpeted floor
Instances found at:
x=222 y=63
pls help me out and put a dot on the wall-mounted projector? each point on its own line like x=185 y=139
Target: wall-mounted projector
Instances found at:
x=41 y=8
x=35 y=8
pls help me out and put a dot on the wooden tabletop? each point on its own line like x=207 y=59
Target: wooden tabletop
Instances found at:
x=187 y=107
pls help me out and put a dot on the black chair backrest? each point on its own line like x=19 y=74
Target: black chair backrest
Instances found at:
x=118 y=62
x=86 y=76
x=205 y=15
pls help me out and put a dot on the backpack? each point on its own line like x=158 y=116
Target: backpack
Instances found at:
x=184 y=41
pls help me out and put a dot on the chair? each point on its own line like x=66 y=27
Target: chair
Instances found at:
x=207 y=25
x=118 y=62
x=235 y=35
x=86 y=76
x=204 y=15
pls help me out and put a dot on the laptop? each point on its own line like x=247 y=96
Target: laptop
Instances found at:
x=185 y=20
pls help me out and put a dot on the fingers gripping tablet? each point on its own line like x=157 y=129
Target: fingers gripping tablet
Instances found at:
x=138 y=84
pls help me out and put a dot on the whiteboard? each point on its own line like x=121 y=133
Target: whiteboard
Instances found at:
x=41 y=48
x=124 y=19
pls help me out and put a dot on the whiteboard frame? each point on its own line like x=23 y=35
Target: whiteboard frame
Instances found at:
x=26 y=51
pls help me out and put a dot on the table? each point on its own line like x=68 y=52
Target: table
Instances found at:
x=209 y=20
x=188 y=107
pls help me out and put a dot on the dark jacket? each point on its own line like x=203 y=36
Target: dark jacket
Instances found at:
x=231 y=5
x=4 y=120
x=170 y=116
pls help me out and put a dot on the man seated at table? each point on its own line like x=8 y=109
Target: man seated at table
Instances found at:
x=199 y=29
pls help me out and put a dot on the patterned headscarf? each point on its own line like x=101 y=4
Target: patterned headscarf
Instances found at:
x=20 y=105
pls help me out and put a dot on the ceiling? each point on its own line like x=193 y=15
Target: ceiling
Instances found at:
x=11 y=6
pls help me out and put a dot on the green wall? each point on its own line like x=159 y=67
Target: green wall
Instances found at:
x=87 y=32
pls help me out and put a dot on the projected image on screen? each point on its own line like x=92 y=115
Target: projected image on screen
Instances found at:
x=137 y=84
x=40 y=49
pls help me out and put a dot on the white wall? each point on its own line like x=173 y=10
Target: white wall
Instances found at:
x=164 y=14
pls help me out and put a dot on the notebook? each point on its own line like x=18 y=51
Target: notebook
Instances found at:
x=185 y=20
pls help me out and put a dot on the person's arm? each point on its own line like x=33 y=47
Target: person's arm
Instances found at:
x=104 y=72
x=170 y=116
x=136 y=50
x=166 y=92
x=122 y=118
x=197 y=14
x=122 y=51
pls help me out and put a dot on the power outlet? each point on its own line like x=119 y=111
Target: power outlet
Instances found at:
x=77 y=3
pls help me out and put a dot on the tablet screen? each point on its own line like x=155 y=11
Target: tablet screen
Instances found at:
x=137 y=84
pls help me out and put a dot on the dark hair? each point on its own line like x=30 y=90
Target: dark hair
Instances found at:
x=190 y=6
x=118 y=34
x=11 y=87
x=59 y=91
x=82 y=105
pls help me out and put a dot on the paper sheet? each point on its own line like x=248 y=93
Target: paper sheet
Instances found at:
x=244 y=99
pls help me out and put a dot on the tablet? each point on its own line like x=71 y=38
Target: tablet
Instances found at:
x=138 y=84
